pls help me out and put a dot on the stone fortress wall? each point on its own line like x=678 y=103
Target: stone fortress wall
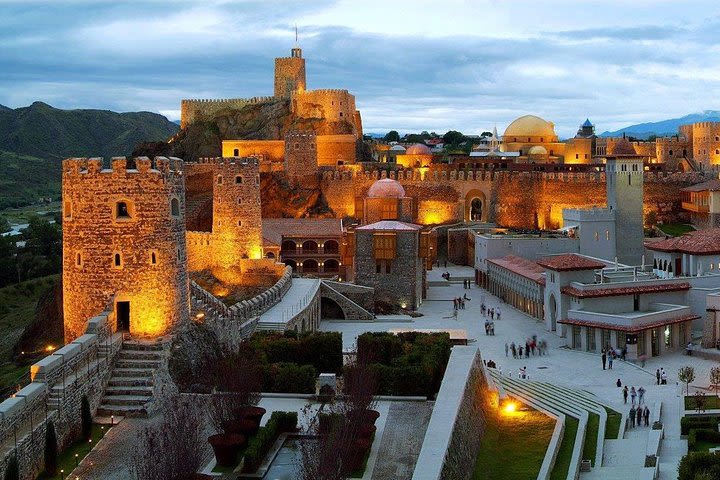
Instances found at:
x=192 y=110
x=706 y=143
x=329 y=104
x=301 y=154
x=124 y=236
x=289 y=74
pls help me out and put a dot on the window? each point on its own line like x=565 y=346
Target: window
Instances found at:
x=239 y=223
x=238 y=179
x=607 y=234
x=378 y=267
x=341 y=114
x=121 y=210
x=219 y=180
x=78 y=260
x=577 y=155
x=153 y=258
x=67 y=210
x=670 y=152
x=175 y=207
x=384 y=245
x=388 y=263
x=239 y=201
x=236 y=152
x=389 y=209
x=597 y=236
x=117 y=260
x=257 y=180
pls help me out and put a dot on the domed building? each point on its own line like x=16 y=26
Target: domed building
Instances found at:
x=386 y=200
x=417 y=155
x=534 y=140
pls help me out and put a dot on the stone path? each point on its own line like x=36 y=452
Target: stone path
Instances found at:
x=402 y=439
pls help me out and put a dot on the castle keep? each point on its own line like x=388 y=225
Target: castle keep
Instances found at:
x=124 y=244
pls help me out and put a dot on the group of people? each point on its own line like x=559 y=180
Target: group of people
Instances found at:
x=490 y=312
x=661 y=376
x=490 y=328
x=532 y=345
x=446 y=276
x=609 y=354
x=459 y=302
x=637 y=415
x=638 y=394
x=467 y=284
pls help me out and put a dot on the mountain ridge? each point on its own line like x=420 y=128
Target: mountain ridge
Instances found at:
x=664 y=127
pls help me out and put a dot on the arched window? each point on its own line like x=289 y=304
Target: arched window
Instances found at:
x=310 y=266
x=239 y=223
x=153 y=258
x=175 y=207
x=117 y=260
x=122 y=210
x=238 y=179
x=219 y=180
x=331 y=246
x=239 y=201
x=288 y=246
x=310 y=246
x=331 y=266
x=78 y=260
x=236 y=152
x=670 y=152
x=292 y=264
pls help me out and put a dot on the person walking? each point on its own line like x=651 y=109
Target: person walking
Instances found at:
x=521 y=352
x=632 y=416
x=633 y=394
x=646 y=415
x=513 y=348
x=604 y=359
x=657 y=376
x=610 y=360
x=663 y=377
x=641 y=394
x=507 y=348
x=625 y=392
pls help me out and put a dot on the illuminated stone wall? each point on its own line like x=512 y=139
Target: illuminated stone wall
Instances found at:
x=192 y=110
x=706 y=143
x=301 y=154
x=336 y=149
x=149 y=242
x=289 y=75
x=332 y=105
x=270 y=150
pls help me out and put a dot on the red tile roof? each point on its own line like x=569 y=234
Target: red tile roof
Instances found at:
x=618 y=291
x=711 y=186
x=629 y=329
x=522 y=266
x=700 y=242
x=273 y=229
x=569 y=262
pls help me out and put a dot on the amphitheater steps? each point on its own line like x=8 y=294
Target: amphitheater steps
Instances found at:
x=130 y=386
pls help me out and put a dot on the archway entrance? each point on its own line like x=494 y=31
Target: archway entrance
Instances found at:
x=476 y=210
x=310 y=266
x=475 y=206
x=553 y=313
x=122 y=314
x=292 y=264
x=330 y=309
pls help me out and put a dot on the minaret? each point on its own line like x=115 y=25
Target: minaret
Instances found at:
x=494 y=142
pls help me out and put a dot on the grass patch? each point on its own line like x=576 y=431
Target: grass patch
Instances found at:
x=676 y=229
x=711 y=402
x=591 y=434
x=67 y=461
x=703 y=446
x=17 y=310
x=564 y=456
x=612 y=427
x=514 y=445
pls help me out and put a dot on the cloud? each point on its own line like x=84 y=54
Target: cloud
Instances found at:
x=412 y=66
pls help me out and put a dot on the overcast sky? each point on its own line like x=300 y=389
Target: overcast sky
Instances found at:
x=412 y=65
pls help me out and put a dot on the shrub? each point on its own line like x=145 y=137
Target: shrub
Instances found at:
x=259 y=445
x=290 y=378
x=702 y=435
x=286 y=421
x=51 y=450
x=699 y=465
x=12 y=472
x=85 y=418
x=709 y=422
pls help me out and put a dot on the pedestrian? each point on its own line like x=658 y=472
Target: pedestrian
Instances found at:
x=623 y=353
x=487 y=326
x=632 y=416
x=641 y=394
x=521 y=352
x=513 y=348
x=625 y=393
x=497 y=314
x=619 y=383
x=646 y=414
x=604 y=359
x=663 y=377
x=610 y=360
x=633 y=394
x=455 y=304
x=657 y=376
x=507 y=348
x=492 y=328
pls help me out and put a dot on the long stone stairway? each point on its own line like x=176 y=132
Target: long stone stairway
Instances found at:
x=130 y=386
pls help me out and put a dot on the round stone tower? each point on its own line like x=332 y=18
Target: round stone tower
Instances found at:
x=124 y=245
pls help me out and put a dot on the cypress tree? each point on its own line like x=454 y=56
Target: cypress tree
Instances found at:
x=12 y=472
x=86 y=418
x=51 y=450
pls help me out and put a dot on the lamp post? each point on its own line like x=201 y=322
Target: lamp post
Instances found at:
x=76 y=460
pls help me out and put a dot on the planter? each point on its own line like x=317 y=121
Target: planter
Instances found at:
x=366 y=431
x=252 y=413
x=244 y=427
x=359 y=450
x=368 y=416
x=226 y=447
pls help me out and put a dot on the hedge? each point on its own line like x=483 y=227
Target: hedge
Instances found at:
x=696 y=465
x=322 y=350
x=260 y=444
x=709 y=422
x=289 y=378
x=703 y=435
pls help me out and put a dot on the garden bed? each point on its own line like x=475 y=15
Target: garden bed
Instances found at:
x=564 y=456
x=67 y=460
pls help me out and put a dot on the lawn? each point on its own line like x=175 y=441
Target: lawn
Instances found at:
x=514 y=445
x=564 y=456
x=711 y=402
x=612 y=427
x=591 y=434
x=676 y=229
x=67 y=460
x=17 y=310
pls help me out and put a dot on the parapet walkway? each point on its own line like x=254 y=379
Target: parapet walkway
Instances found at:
x=302 y=294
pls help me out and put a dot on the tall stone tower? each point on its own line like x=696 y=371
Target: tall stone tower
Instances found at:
x=289 y=74
x=237 y=223
x=301 y=158
x=624 y=184
x=124 y=245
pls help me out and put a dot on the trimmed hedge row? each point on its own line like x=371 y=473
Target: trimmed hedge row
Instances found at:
x=699 y=465
x=260 y=444
x=410 y=363
x=707 y=422
x=289 y=378
x=322 y=350
x=703 y=435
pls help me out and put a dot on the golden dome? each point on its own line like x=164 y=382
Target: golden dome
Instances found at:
x=418 y=149
x=386 y=188
x=537 y=150
x=530 y=126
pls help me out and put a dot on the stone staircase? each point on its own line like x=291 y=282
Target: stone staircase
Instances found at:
x=130 y=386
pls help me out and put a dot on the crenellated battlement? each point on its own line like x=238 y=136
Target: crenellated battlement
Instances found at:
x=240 y=161
x=229 y=101
x=119 y=165
x=197 y=108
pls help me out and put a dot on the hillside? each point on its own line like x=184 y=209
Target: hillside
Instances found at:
x=664 y=127
x=34 y=139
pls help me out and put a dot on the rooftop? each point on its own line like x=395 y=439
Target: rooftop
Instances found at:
x=623 y=290
x=522 y=266
x=570 y=262
x=711 y=185
x=700 y=242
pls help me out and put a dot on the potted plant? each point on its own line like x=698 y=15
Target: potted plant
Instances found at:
x=226 y=447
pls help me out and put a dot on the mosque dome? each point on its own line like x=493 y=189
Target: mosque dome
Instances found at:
x=397 y=148
x=622 y=147
x=386 y=188
x=530 y=126
x=537 y=150
x=418 y=149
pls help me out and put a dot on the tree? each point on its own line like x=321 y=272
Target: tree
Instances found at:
x=486 y=134
x=392 y=136
x=85 y=418
x=12 y=472
x=453 y=137
x=51 y=450
x=715 y=378
x=687 y=376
